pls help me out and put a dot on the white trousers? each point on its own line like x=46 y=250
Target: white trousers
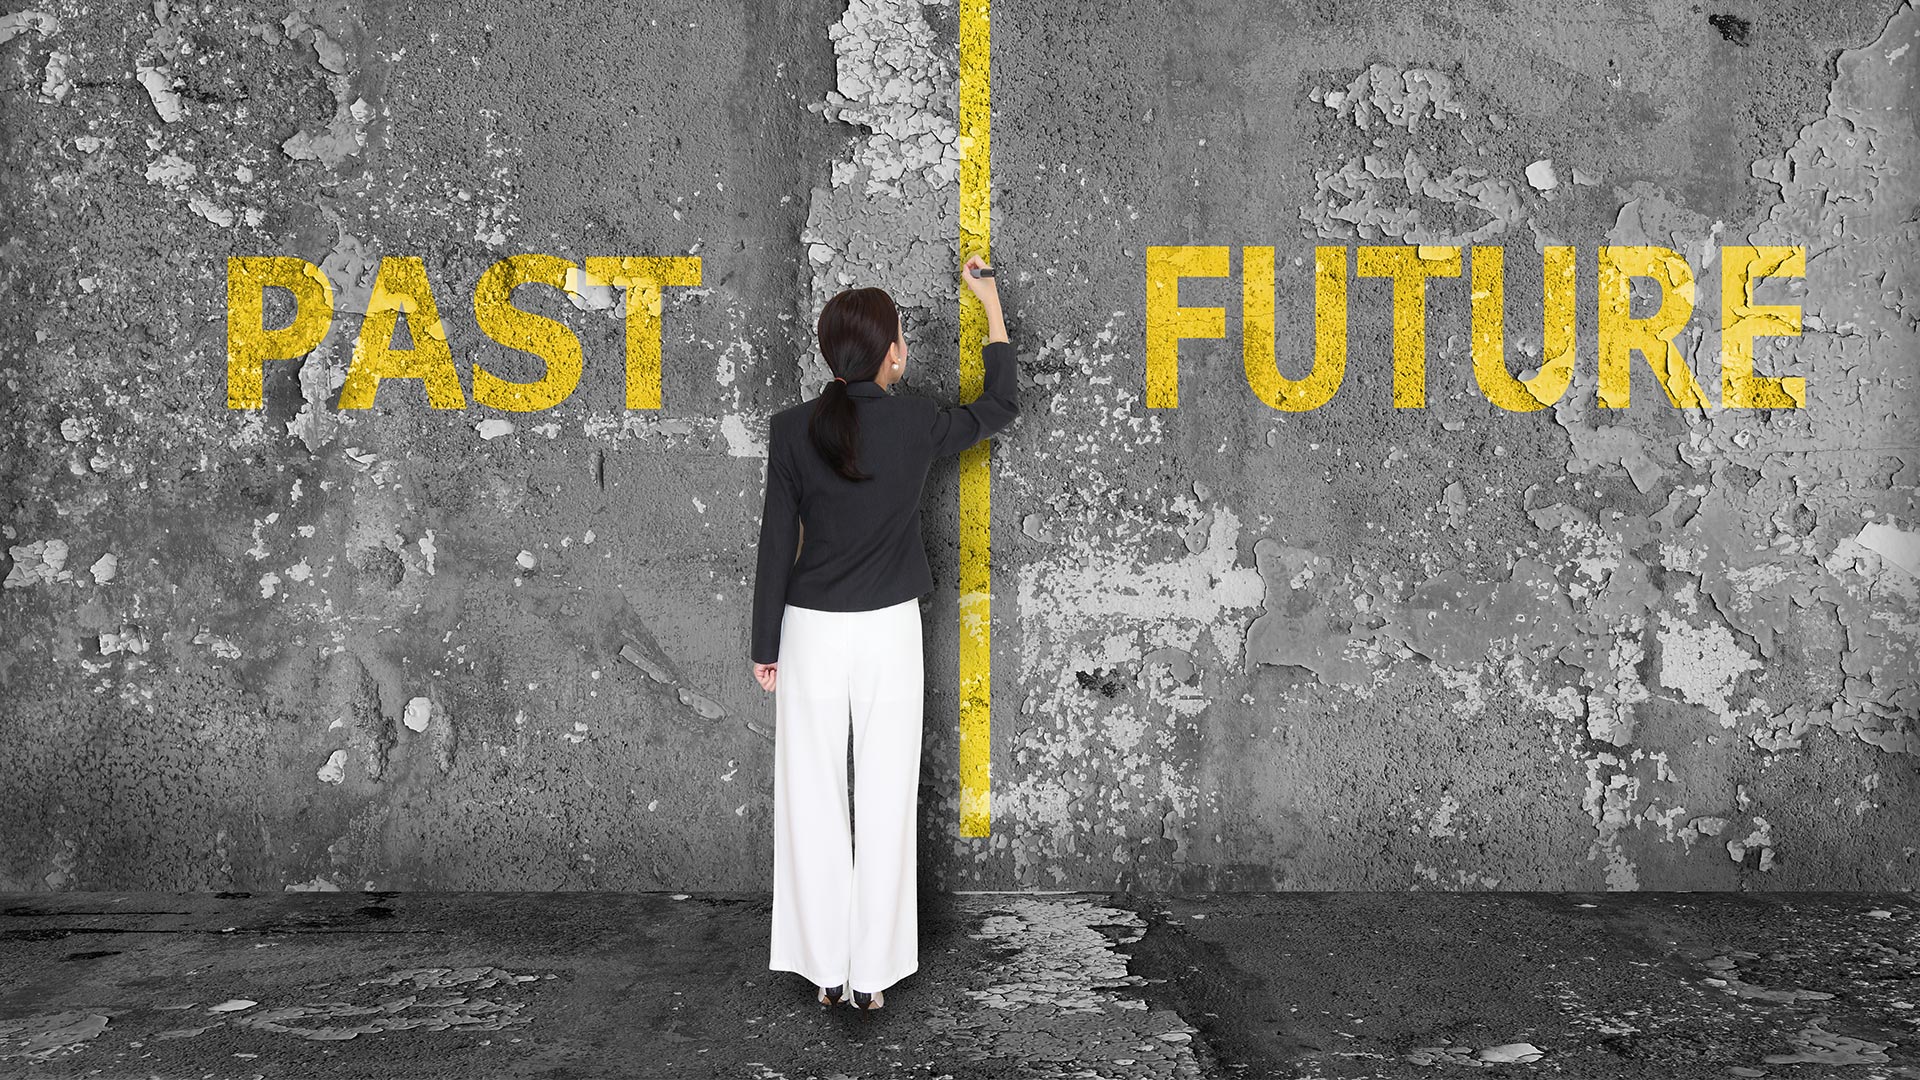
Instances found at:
x=847 y=915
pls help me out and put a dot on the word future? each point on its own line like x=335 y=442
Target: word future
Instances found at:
x=401 y=286
x=1620 y=334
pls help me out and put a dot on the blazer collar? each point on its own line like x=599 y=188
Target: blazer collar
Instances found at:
x=866 y=388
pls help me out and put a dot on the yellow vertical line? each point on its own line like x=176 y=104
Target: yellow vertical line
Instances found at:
x=976 y=507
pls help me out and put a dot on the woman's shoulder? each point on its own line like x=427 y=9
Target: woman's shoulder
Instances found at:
x=912 y=400
x=794 y=418
x=793 y=414
x=788 y=424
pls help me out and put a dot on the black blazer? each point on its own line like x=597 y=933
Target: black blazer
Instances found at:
x=863 y=548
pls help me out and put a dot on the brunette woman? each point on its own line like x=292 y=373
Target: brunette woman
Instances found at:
x=836 y=637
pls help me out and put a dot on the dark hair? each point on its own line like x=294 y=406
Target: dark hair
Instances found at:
x=856 y=329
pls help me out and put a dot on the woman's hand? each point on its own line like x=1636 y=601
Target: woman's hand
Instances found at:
x=765 y=673
x=987 y=291
x=985 y=288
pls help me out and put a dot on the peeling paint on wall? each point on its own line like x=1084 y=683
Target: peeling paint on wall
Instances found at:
x=888 y=216
x=1586 y=647
x=1676 y=605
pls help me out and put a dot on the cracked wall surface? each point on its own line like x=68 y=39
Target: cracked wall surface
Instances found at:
x=1487 y=649
x=1360 y=647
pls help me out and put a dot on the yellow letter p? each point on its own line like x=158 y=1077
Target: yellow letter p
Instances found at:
x=249 y=343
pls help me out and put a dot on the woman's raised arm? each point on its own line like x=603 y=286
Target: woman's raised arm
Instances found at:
x=957 y=427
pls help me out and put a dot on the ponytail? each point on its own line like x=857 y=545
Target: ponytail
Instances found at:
x=834 y=430
x=855 y=330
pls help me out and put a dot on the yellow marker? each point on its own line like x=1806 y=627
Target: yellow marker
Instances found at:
x=976 y=507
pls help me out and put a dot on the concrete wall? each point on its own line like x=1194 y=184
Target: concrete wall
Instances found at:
x=1362 y=647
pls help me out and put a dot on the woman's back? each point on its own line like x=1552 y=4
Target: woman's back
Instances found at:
x=862 y=545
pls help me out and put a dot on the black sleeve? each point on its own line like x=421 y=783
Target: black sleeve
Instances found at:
x=779 y=545
x=957 y=427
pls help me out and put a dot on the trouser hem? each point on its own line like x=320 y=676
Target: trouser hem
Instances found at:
x=888 y=985
x=797 y=969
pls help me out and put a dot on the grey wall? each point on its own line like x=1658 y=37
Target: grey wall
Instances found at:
x=1355 y=648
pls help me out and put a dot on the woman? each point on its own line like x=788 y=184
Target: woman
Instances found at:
x=836 y=638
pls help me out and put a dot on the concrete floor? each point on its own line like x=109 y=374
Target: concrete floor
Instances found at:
x=578 y=984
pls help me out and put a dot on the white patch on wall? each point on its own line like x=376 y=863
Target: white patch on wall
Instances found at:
x=1075 y=589
x=1760 y=839
x=1441 y=823
x=318 y=884
x=43 y=561
x=1897 y=546
x=158 y=82
x=55 y=83
x=207 y=208
x=743 y=439
x=40 y=22
x=171 y=171
x=1703 y=663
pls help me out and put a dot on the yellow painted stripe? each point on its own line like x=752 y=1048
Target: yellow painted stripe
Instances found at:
x=976 y=506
